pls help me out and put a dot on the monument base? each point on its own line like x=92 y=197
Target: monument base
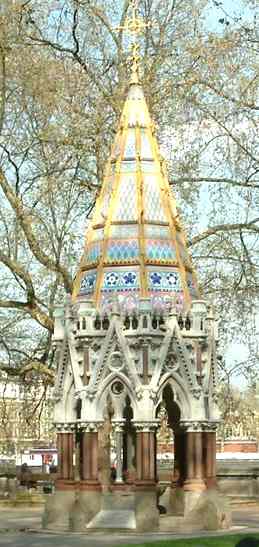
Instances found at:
x=147 y=514
x=58 y=509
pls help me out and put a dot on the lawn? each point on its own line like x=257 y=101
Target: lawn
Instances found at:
x=219 y=541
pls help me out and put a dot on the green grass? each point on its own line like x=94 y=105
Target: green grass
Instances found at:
x=219 y=541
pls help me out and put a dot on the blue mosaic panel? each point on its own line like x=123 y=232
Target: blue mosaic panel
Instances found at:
x=130 y=146
x=93 y=252
x=160 y=250
x=146 y=148
x=88 y=283
x=127 y=280
x=123 y=249
x=169 y=281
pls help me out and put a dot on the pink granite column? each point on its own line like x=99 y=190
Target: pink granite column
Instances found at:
x=65 y=448
x=209 y=441
x=146 y=455
x=89 y=455
x=194 y=480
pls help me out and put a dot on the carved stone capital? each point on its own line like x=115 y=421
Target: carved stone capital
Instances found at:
x=90 y=427
x=196 y=392
x=118 y=425
x=211 y=427
x=193 y=426
x=63 y=427
x=146 y=426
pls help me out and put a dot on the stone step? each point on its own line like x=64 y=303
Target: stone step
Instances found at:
x=118 y=501
x=113 y=520
x=171 y=523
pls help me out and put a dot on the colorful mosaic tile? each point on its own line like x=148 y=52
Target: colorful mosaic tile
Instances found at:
x=128 y=167
x=88 y=283
x=160 y=250
x=97 y=235
x=122 y=249
x=126 y=199
x=119 y=280
x=153 y=208
x=93 y=252
x=148 y=166
x=152 y=231
x=164 y=280
x=123 y=231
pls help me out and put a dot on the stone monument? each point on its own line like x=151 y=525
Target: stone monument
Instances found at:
x=136 y=336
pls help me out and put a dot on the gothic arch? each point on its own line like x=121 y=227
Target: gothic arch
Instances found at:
x=105 y=390
x=179 y=391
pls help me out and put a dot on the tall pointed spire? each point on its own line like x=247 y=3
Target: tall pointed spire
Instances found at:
x=135 y=244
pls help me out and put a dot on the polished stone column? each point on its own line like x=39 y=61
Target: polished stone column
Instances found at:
x=65 y=448
x=194 y=479
x=209 y=442
x=88 y=496
x=146 y=453
x=118 y=429
x=147 y=516
x=89 y=455
x=179 y=470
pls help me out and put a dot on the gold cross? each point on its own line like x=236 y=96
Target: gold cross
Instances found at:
x=134 y=25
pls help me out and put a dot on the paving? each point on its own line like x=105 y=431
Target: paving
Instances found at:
x=20 y=527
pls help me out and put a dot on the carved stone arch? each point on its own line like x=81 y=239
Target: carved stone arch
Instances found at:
x=107 y=388
x=180 y=393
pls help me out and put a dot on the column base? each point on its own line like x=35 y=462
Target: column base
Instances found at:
x=176 y=500
x=86 y=506
x=210 y=510
x=58 y=509
x=65 y=484
x=211 y=482
x=147 y=514
x=194 y=485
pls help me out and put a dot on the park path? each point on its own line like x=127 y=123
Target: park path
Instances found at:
x=21 y=528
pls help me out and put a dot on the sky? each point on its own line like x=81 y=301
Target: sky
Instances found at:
x=233 y=8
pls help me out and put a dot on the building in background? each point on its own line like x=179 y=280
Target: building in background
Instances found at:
x=25 y=420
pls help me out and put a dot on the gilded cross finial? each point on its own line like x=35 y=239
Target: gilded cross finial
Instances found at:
x=134 y=25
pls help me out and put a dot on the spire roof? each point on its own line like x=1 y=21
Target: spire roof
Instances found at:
x=135 y=245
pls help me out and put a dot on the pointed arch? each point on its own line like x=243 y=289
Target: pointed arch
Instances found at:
x=179 y=390
x=104 y=389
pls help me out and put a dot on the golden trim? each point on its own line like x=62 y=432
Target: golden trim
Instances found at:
x=143 y=272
